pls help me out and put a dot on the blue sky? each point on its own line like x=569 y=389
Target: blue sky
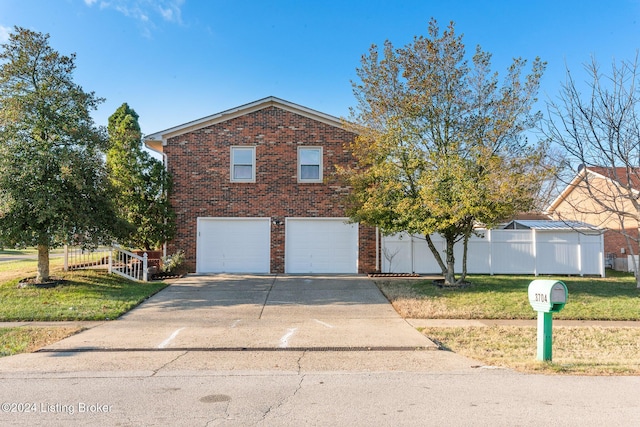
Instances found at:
x=175 y=61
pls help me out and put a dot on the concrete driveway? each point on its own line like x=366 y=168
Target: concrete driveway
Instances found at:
x=281 y=351
x=267 y=312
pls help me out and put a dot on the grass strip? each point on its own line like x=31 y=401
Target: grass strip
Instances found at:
x=576 y=350
x=27 y=339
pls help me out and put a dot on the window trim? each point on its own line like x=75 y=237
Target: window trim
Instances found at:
x=320 y=165
x=232 y=163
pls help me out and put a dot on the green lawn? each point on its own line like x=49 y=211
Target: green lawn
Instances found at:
x=85 y=295
x=577 y=351
x=505 y=297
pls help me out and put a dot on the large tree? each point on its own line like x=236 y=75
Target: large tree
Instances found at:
x=141 y=183
x=53 y=187
x=441 y=146
x=596 y=122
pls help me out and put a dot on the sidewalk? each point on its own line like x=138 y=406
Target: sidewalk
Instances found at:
x=416 y=323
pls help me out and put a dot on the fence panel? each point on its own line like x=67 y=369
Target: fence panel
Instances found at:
x=423 y=260
x=478 y=253
x=396 y=253
x=592 y=257
x=558 y=252
x=500 y=252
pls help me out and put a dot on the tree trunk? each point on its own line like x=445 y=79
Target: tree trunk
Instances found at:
x=448 y=269
x=436 y=254
x=450 y=277
x=43 y=263
x=632 y=249
x=465 y=246
x=636 y=266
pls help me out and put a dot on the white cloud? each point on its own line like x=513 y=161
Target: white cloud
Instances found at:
x=167 y=14
x=4 y=33
x=145 y=11
x=170 y=10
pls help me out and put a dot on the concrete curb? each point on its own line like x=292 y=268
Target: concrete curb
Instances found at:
x=62 y=323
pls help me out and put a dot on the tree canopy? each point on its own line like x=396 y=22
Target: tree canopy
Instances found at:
x=53 y=186
x=141 y=184
x=441 y=145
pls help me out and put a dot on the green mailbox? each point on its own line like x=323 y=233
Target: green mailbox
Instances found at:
x=546 y=297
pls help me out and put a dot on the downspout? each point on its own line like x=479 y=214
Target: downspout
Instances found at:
x=535 y=252
x=166 y=170
x=602 y=268
x=378 y=250
x=580 y=255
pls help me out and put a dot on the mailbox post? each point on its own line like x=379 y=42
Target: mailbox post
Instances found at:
x=546 y=297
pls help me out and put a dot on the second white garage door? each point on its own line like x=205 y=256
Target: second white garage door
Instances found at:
x=233 y=245
x=321 y=245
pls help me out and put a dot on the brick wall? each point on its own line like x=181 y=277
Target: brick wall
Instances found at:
x=614 y=240
x=200 y=164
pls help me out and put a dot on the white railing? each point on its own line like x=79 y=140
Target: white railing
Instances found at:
x=115 y=259
x=76 y=258
x=128 y=264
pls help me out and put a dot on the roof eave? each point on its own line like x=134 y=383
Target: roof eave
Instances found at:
x=161 y=137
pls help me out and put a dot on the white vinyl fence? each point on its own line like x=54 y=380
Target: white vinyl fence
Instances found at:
x=115 y=259
x=501 y=252
x=631 y=263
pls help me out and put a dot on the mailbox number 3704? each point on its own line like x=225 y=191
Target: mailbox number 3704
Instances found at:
x=541 y=298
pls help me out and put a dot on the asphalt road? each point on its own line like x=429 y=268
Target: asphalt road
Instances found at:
x=12 y=257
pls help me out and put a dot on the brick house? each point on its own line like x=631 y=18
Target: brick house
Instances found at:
x=594 y=196
x=255 y=192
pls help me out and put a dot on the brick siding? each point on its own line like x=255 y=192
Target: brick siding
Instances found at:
x=614 y=240
x=199 y=162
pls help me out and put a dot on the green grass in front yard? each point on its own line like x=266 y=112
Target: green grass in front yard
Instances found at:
x=505 y=297
x=86 y=295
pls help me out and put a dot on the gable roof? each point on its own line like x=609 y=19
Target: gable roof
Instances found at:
x=620 y=175
x=157 y=140
x=628 y=177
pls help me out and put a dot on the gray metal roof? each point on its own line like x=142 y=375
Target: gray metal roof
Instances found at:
x=552 y=225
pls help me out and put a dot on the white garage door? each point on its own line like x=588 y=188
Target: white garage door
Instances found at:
x=233 y=245
x=321 y=245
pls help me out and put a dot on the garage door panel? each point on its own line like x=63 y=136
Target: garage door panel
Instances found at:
x=316 y=245
x=233 y=245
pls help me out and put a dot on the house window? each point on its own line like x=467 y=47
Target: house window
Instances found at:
x=309 y=164
x=243 y=164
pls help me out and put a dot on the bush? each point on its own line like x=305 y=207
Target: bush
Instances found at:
x=173 y=263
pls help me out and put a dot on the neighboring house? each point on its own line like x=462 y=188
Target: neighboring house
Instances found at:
x=254 y=191
x=603 y=197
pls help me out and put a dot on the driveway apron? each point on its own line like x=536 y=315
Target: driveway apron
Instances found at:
x=267 y=312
